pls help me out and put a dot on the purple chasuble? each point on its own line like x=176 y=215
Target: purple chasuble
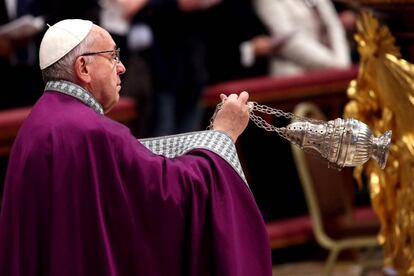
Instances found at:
x=84 y=197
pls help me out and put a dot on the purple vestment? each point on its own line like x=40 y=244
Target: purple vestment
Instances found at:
x=84 y=197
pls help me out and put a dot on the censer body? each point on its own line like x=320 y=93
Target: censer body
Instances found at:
x=342 y=142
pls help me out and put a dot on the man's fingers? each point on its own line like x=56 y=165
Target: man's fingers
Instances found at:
x=243 y=97
x=232 y=97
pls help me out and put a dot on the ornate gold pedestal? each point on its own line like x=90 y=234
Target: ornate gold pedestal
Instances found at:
x=383 y=97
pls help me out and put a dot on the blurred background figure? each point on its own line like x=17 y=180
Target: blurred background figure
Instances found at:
x=138 y=80
x=236 y=35
x=348 y=16
x=18 y=52
x=178 y=60
x=19 y=46
x=311 y=33
x=134 y=37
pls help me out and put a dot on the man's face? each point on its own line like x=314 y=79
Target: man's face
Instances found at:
x=106 y=68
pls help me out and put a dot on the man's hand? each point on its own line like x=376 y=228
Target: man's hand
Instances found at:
x=262 y=45
x=233 y=116
x=265 y=45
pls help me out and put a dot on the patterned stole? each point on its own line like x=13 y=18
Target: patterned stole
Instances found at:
x=175 y=145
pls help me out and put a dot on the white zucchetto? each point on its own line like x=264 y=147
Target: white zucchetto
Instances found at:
x=61 y=38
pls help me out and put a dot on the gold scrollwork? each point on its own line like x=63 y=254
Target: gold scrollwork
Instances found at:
x=382 y=96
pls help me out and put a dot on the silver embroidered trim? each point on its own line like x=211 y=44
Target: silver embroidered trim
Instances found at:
x=76 y=91
x=215 y=141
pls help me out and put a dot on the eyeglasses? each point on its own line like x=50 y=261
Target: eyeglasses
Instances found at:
x=115 y=54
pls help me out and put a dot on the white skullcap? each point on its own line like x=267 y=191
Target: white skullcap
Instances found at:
x=61 y=38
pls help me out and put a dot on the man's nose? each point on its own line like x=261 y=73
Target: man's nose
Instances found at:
x=120 y=68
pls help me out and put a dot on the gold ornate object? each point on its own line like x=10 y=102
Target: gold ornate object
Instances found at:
x=383 y=97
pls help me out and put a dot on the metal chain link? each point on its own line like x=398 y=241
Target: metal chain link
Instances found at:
x=259 y=121
x=272 y=111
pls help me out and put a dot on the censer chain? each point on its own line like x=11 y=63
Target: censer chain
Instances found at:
x=259 y=121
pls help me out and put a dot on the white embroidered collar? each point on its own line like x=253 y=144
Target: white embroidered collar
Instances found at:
x=75 y=91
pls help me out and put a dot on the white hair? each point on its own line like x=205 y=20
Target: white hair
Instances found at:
x=63 y=69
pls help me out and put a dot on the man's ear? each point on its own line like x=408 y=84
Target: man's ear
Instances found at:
x=82 y=70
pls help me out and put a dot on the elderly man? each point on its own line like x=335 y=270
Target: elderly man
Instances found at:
x=84 y=197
